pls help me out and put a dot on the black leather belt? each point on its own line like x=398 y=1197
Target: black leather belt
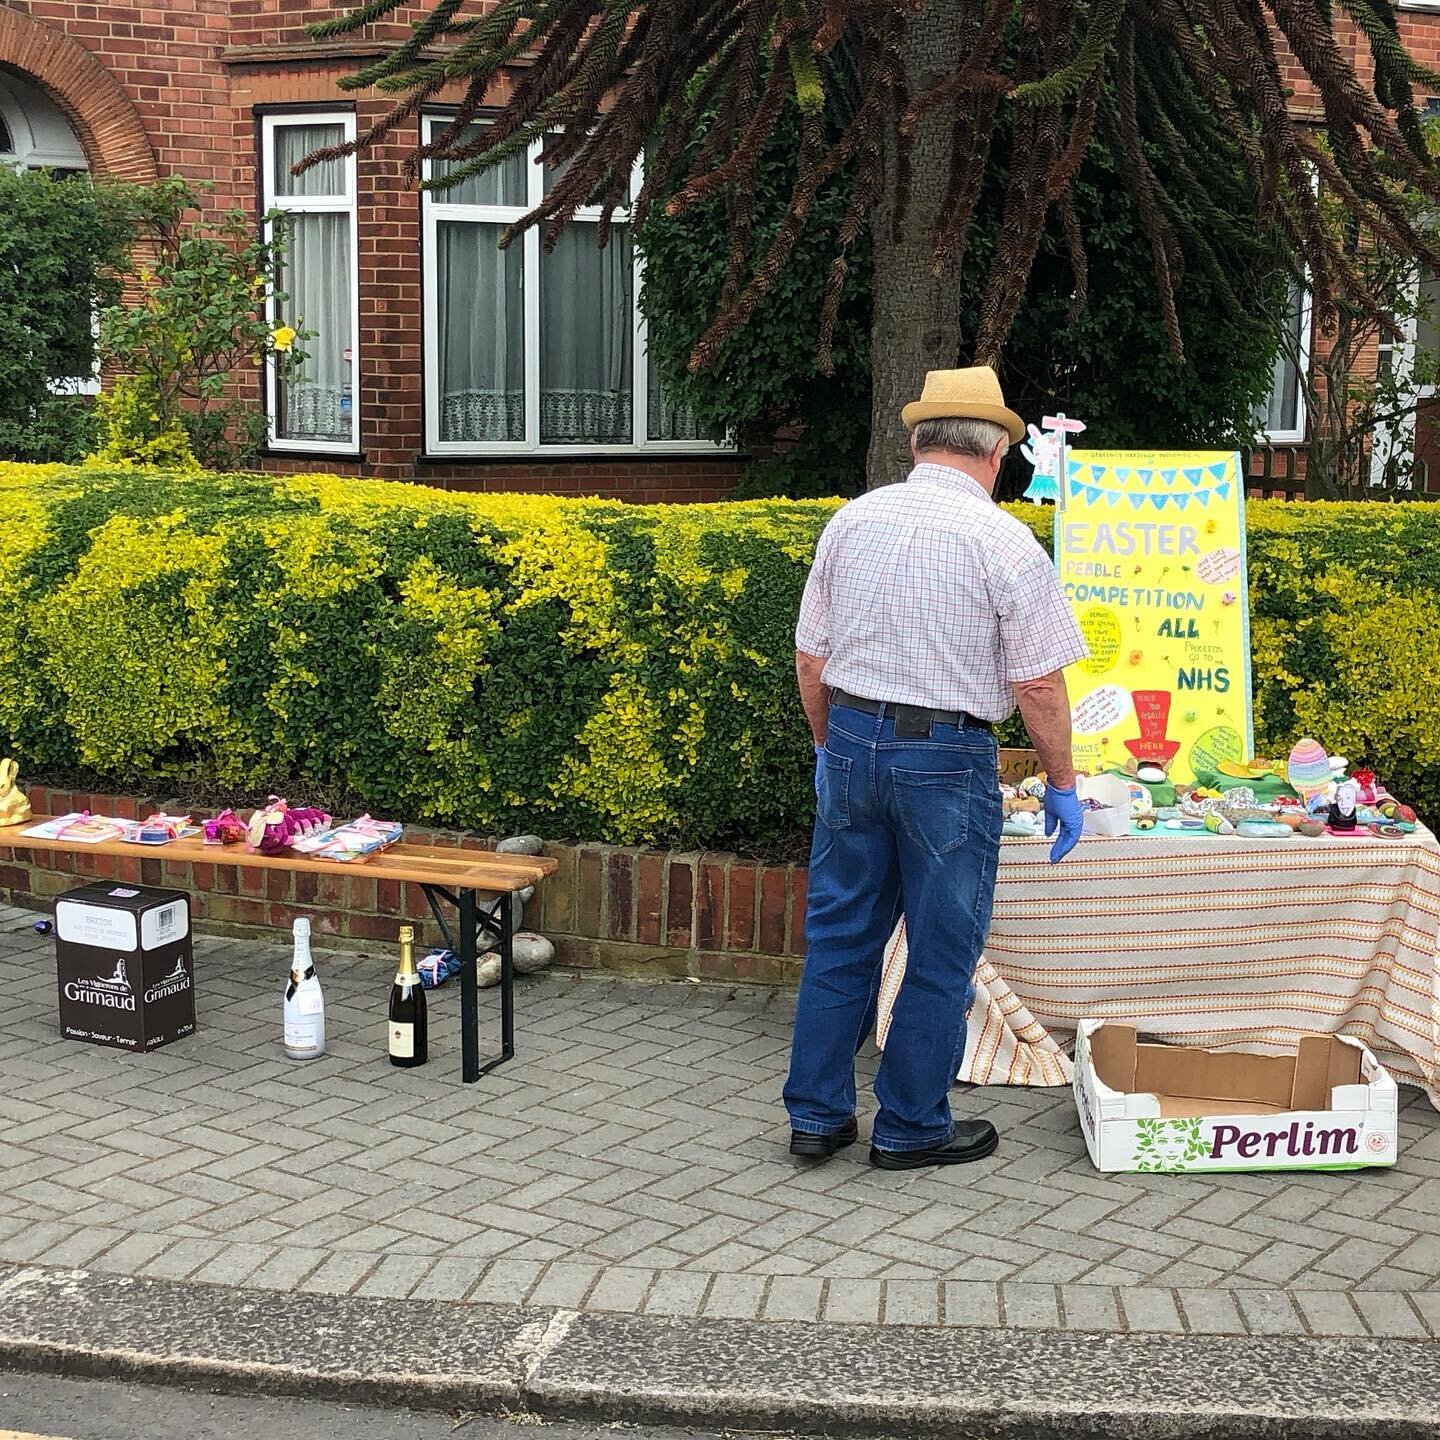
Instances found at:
x=914 y=714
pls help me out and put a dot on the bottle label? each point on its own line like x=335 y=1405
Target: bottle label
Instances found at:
x=301 y=1037
x=402 y=1041
x=310 y=1002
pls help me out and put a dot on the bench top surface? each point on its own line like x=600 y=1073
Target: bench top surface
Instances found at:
x=447 y=866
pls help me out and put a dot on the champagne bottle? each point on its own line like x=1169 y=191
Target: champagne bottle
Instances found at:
x=304 y=1004
x=409 y=1038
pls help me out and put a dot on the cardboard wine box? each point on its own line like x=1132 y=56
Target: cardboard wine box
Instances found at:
x=1329 y=1106
x=124 y=965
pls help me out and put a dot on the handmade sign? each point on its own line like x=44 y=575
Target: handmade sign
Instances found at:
x=1046 y=453
x=1150 y=546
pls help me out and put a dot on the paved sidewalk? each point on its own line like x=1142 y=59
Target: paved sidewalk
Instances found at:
x=632 y=1160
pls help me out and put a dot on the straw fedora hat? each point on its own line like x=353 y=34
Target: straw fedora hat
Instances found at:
x=972 y=394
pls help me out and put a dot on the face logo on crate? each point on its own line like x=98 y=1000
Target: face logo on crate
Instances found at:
x=111 y=991
x=177 y=981
x=1377 y=1143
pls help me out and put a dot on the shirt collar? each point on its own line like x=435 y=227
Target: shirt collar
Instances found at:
x=949 y=475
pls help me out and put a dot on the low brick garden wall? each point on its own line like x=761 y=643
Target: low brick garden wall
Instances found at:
x=706 y=917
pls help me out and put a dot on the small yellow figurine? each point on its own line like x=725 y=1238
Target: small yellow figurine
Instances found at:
x=14 y=807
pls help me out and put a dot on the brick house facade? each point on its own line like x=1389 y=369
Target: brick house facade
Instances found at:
x=435 y=359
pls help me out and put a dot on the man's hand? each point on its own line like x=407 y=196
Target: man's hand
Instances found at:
x=1062 y=813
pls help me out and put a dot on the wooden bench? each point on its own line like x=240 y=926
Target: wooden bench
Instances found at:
x=479 y=886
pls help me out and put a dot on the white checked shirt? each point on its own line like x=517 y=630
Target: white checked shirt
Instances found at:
x=928 y=593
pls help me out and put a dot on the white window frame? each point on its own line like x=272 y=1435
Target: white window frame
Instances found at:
x=1296 y=434
x=437 y=209
x=313 y=205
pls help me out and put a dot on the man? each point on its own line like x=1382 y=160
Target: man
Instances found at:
x=929 y=613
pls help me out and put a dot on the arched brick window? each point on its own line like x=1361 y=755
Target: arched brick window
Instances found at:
x=75 y=85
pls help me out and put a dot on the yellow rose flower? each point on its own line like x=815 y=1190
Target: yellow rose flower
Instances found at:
x=283 y=338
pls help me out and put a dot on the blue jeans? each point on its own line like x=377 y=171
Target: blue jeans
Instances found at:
x=901 y=826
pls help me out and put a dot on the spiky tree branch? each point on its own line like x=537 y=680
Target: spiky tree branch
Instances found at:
x=600 y=78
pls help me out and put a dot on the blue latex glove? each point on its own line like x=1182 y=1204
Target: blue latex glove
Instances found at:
x=819 y=767
x=1062 y=813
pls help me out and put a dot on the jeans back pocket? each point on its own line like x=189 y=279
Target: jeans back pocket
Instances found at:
x=934 y=807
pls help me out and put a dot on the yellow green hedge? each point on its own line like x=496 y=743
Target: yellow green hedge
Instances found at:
x=583 y=667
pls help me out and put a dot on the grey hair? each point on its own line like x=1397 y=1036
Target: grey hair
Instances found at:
x=964 y=437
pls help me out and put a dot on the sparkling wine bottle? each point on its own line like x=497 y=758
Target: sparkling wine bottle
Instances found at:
x=409 y=1039
x=304 y=1004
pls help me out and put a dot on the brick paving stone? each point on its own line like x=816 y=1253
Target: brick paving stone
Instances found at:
x=1091 y=1307
x=183 y=1259
x=1329 y=1312
x=1151 y=1309
x=793 y=1297
x=912 y=1302
x=233 y=1265
x=679 y=1293
x=338 y=1275
x=1210 y=1312
x=565 y=1285
x=621 y=1288
x=1269 y=1312
x=34 y=1240
x=736 y=1297
x=80 y=1248
x=286 y=1268
x=1278 y=1263
x=1031 y=1307
x=131 y=1254
x=394 y=1278
x=594 y=1164
x=1389 y=1315
x=851 y=1302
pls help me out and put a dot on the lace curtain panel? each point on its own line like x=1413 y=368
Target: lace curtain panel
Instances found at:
x=482 y=334
x=587 y=339
x=314 y=403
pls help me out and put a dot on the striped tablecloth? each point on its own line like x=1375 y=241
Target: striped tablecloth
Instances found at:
x=1205 y=941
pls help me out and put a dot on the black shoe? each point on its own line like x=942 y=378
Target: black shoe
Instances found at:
x=822 y=1147
x=974 y=1140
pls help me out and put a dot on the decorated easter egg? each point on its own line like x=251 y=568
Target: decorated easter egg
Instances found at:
x=1309 y=767
x=1312 y=828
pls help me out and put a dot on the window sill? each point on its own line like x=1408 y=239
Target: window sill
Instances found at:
x=569 y=457
x=309 y=452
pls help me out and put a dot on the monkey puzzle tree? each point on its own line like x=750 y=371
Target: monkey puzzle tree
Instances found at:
x=906 y=97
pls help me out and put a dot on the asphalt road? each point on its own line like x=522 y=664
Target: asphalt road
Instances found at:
x=37 y=1407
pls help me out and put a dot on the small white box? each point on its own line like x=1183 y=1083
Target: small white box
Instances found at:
x=1113 y=793
x=1144 y=1107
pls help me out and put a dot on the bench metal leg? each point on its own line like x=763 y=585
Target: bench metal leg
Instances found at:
x=498 y=924
x=469 y=993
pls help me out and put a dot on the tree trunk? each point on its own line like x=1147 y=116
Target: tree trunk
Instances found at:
x=916 y=314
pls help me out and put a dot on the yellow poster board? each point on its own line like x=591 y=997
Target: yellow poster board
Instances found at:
x=1150 y=546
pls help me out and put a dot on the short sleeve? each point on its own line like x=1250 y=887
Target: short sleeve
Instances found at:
x=1038 y=630
x=812 y=632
